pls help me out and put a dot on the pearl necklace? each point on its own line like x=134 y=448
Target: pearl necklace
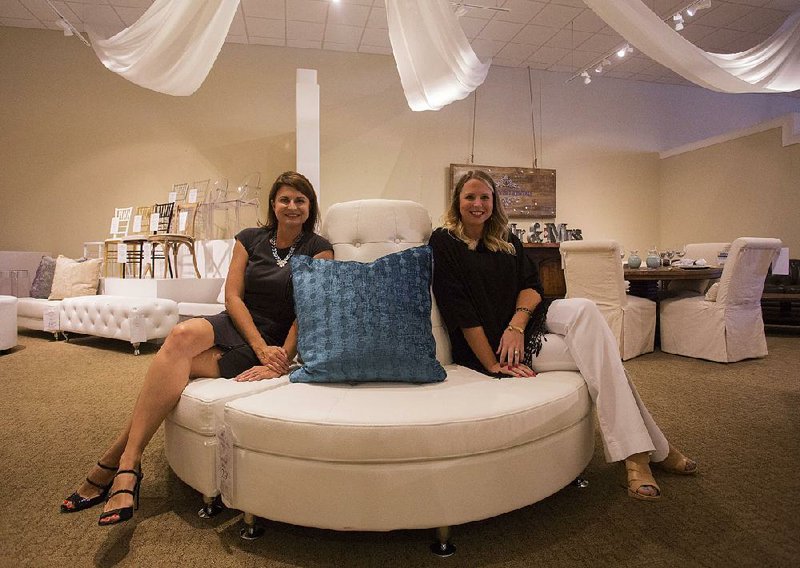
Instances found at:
x=283 y=261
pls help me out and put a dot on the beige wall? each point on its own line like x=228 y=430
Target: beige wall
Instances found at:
x=748 y=186
x=77 y=140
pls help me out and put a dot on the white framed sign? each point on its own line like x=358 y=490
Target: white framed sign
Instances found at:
x=182 y=217
x=122 y=253
x=154 y=222
x=137 y=224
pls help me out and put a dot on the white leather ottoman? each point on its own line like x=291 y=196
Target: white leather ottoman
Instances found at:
x=8 y=322
x=190 y=431
x=119 y=317
x=381 y=457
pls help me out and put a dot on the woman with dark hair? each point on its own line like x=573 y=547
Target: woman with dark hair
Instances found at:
x=490 y=298
x=254 y=338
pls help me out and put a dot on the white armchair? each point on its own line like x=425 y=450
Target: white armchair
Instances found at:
x=725 y=325
x=593 y=270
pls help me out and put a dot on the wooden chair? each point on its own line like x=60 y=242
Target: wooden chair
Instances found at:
x=182 y=231
x=136 y=242
x=120 y=224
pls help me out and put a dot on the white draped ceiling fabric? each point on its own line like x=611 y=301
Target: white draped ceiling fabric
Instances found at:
x=771 y=66
x=172 y=47
x=436 y=62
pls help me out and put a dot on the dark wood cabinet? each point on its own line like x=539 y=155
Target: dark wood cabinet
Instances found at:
x=547 y=258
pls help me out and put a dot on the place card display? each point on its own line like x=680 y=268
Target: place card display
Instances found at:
x=122 y=253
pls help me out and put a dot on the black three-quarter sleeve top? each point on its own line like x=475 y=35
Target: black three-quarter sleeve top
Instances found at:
x=478 y=288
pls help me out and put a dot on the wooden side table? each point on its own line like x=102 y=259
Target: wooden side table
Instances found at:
x=547 y=258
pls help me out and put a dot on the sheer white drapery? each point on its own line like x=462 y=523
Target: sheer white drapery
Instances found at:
x=436 y=62
x=770 y=67
x=172 y=47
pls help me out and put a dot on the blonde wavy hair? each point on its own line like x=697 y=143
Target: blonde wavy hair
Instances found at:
x=495 y=230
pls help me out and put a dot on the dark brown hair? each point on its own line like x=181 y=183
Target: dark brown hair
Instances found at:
x=301 y=184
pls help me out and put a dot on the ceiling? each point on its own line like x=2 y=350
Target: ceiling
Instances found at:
x=556 y=35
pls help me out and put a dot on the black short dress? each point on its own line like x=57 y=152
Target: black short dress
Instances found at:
x=268 y=296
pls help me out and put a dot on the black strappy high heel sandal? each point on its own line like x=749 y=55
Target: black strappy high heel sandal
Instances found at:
x=124 y=513
x=75 y=502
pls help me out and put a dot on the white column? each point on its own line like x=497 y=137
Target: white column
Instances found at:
x=307 y=114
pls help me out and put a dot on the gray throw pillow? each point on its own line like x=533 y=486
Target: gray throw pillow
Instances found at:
x=43 y=281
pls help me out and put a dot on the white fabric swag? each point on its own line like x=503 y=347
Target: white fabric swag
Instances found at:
x=172 y=47
x=771 y=66
x=436 y=62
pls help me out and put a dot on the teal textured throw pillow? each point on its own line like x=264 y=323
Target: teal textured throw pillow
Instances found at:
x=360 y=322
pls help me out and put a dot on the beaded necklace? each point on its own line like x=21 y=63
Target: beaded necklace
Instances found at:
x=274 y=242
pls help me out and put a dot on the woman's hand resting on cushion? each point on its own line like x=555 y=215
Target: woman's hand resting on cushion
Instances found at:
x=258 y=373
x=273 y=357
x=519 y=370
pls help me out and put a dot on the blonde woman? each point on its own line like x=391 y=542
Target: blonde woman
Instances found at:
x=490 y=298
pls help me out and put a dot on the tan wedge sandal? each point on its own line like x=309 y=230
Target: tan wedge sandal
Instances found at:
x=676 y=462
x=639 y=476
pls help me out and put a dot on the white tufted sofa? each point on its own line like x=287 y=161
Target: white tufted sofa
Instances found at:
x=118 y=317
x=384 y=456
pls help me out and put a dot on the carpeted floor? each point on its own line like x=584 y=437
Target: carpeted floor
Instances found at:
x=63 y=402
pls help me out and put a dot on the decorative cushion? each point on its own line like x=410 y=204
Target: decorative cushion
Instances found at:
x=74 y=278
x=43 y=281
x=360 y=322
x=711 y=295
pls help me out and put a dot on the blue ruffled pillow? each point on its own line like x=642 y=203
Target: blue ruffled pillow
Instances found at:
x=361 y=322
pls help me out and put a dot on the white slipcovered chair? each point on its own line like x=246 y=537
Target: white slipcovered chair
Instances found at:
x=696 y=251
x=592 y=270
x=725 y=324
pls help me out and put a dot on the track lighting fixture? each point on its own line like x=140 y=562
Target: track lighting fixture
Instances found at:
x=461 y=8
x=66 y=26
x=676 y=19
x=62 y=23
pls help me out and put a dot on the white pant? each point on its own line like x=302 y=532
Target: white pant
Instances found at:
x=625 y=423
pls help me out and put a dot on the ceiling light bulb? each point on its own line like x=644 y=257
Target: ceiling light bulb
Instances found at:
x=621 y=53
x=678 y=18
x=690 y=11
x=587 y=80
x=628 y=49
x=599 y=68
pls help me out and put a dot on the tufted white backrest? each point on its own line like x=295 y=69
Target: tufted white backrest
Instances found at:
x=742 y=280
x=593 y=270
x=367 y=229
